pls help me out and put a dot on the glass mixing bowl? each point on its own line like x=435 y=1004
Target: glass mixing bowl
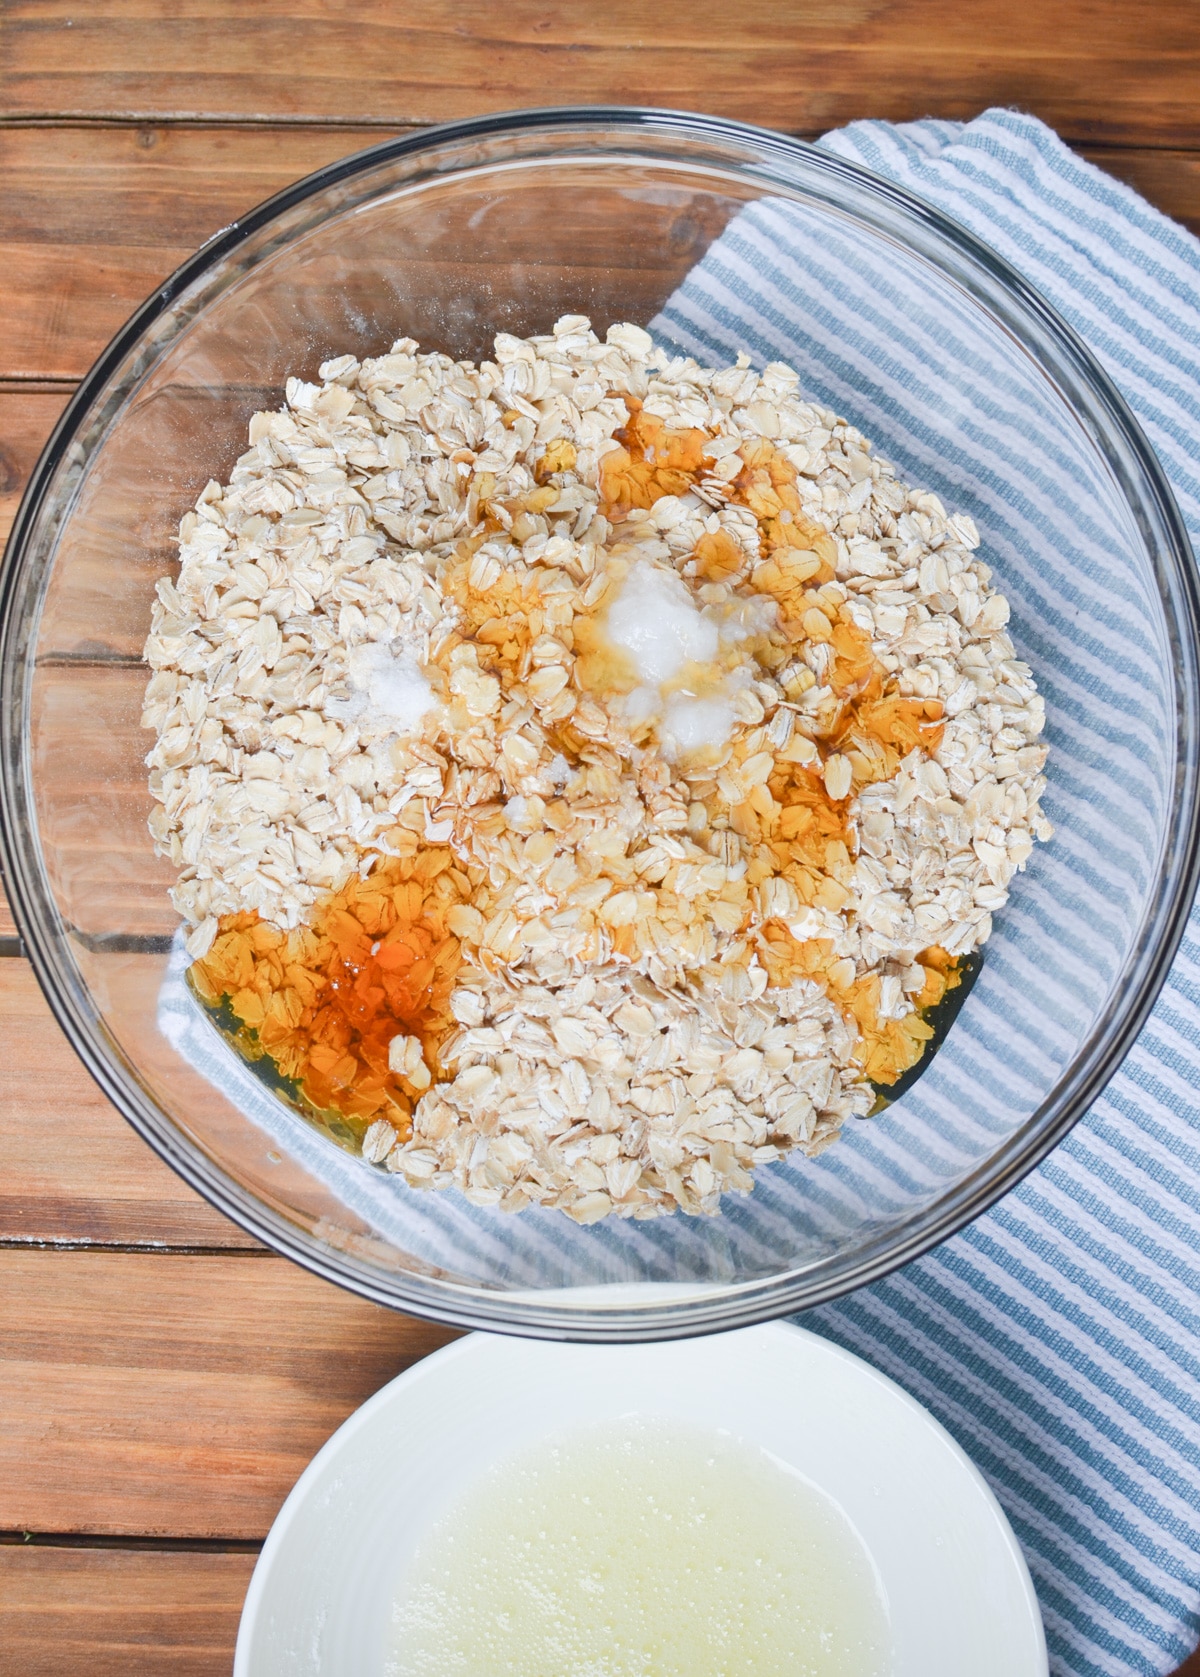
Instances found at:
x=956 y=370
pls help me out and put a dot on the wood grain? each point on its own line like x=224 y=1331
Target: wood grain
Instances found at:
x=26 y=420
x=1169 y=179
x=88 y=761
x=118 y=1612
x=1095 y=72
x=27 y=417
x=93 y=219
x=176 y=1395
x=71 y=1168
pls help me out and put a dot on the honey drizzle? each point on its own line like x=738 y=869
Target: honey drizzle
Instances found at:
x=800 y=832
x=325 y=1000
x=887 y=1047
x=651 y=461
x=379 y=959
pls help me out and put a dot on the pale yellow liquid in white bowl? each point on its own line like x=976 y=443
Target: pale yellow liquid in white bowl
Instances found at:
x=641 y=1549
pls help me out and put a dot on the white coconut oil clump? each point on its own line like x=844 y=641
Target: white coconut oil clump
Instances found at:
x=681 y=652
x=690 y=725
x=655 y=620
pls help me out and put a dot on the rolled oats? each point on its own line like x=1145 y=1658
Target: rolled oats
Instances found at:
x=704 y=890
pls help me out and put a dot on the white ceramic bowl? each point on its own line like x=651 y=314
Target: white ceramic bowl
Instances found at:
x=958 y=1592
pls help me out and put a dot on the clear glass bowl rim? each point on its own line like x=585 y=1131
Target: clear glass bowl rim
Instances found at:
x=763 y=159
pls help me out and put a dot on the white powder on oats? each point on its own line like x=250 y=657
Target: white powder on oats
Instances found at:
x=387 y=689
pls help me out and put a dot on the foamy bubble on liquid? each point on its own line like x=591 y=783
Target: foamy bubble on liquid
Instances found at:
x=641 y=1549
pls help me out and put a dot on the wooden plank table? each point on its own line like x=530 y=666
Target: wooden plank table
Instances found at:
x=163 y=1379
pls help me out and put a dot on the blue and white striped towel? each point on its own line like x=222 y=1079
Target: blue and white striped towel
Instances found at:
x=1059 y=1336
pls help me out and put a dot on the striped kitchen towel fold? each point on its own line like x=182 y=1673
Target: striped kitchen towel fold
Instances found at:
x=1058 y=1337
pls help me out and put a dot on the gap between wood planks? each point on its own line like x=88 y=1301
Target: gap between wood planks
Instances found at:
x=1094 y=72
x=145 y=1397
x=385 y=125
x=1094 y=148
x=155 y=1249
x=156 y=1545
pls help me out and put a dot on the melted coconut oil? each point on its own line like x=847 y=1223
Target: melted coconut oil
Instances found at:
x=641 y=1549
